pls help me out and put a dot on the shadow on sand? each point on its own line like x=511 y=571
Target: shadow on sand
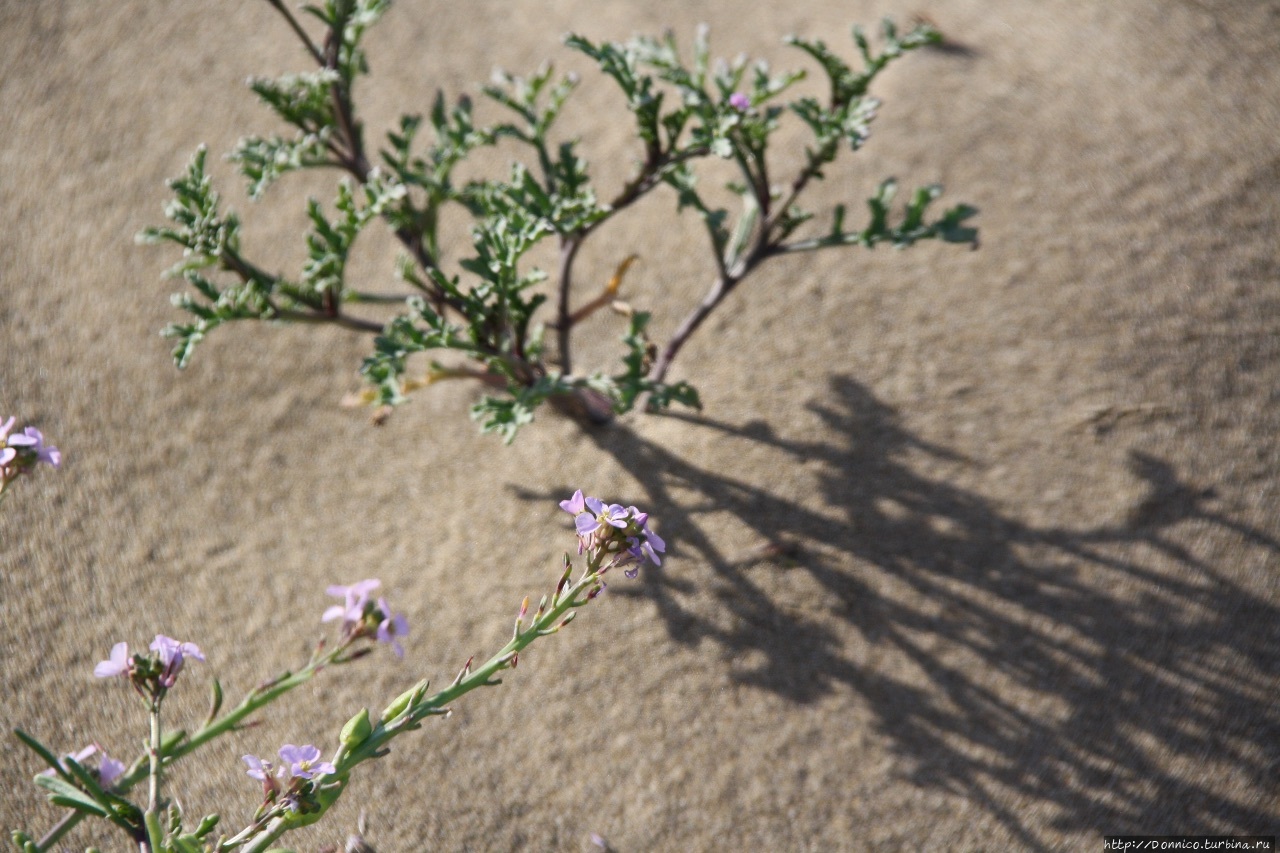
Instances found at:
x=1074 y=668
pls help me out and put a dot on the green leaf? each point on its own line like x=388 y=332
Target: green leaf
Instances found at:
x=63 y=793
x=46 y=755
x=198 y=226
x=264 y=160
x=505 y=415
x=329 y=243
x=743 y=231
x=683 y=180
x=914 y=226
x=304 y=100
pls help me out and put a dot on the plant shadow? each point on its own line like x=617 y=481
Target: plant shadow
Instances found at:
x=1083 y=669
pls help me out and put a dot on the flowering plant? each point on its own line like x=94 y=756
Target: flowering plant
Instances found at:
x=22 y=451
x=302 y=785
x=685 y=114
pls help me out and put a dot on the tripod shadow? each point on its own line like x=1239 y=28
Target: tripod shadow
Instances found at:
x=1086 y=670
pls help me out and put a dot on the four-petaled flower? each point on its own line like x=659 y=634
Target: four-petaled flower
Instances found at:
x=614 y=515
x=19 y=451
x=172 y=655
x=118 y=664
x=259 y=769
x=585 y=522
x=392 y=626
x=32 y=441
x=574 y=506
x=304 y=761
x=109 y=770
x=354 y=597
x=739 y=102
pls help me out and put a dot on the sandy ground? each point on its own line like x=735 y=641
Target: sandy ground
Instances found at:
x=1026 y=588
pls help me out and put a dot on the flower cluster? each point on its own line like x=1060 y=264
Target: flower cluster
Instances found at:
x=151 y=675
x=293 y=777
x=21 y=451
x=362 y=616
x=611 y=530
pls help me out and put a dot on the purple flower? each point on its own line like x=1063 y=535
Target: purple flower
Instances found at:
x=265 y=772
x=109 y=770
x=392 y=626
x=258 y=769
x=575 y=505
x=646 y=547
x=584 y=522
x=172 y=655
x=619 y=533
x=118 y=664
x=355 y=597
x=77 y=757
x=33 y=442
x=739 y=102
x=304 y=761
x=641 y=543
x=19 y=452
x=614 y=515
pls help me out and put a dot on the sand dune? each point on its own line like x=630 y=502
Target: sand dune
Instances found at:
x=968 y=550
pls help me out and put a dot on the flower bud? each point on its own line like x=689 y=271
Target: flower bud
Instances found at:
x=357 y=729
x=396 y=708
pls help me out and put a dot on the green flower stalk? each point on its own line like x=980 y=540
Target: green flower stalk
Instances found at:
x=619 y=541
x=302 y=786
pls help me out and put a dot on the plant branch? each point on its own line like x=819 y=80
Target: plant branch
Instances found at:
x=801 y=180
x=326 y=312
x=564 y=322
x=342 y=106
x=346 y=321
x=59 y=829
x=649 y=176
x=719 y=290
x=298 y=30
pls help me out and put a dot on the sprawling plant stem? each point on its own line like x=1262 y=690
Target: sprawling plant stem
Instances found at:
x=419 y=707
x=150 y=765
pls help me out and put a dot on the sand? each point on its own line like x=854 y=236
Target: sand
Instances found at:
x=968 y=550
